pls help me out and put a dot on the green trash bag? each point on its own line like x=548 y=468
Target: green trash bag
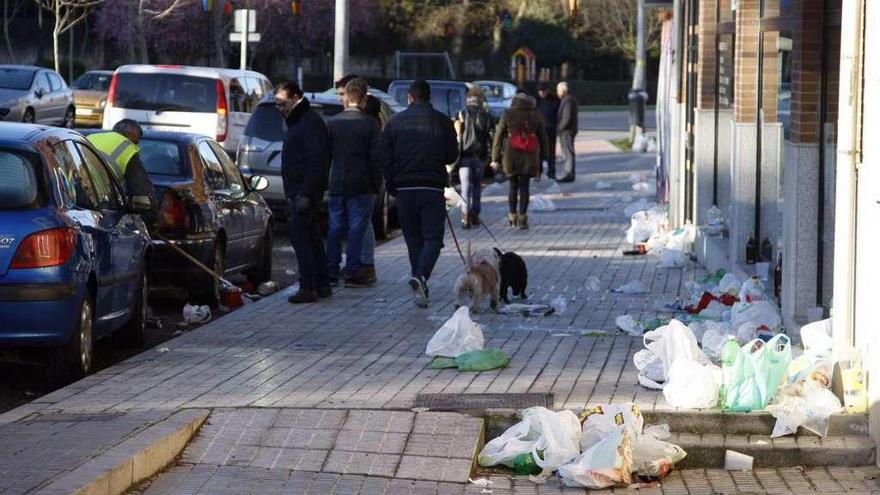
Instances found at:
x=481 y=360
x=753 y=373
x=525 y=464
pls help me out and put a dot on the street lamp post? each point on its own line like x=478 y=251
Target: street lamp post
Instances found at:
x=340 y=45
x=638 y=96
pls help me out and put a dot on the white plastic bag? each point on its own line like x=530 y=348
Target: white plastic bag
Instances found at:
x=559 y=305
x=607 y=463
x=555 y=434
x=458 y=335
x=541 y=203
x=816 y=338
x=674 y=341
x=601 y=421
x=650 y=369
x=633 y=287
x=652 y=456
x=758 y=312
x=729 y=284
x=640 y=229
x=714 y=340
x=196 y=314
x=628 y=324
x=672 y=258
x=752 y=290
x=692 y=385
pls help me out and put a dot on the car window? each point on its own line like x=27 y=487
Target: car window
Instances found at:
x=266 y=123
x=108 y=196
x=55 y=81
x=233 y=175
x=168 y=92
x=19 y=184
x=238 y=96
x=162 y=158
x=399 y=95
x=12 y=78
x=214 y=176
x=91 y=81
x=75 y=180
x=42 y=83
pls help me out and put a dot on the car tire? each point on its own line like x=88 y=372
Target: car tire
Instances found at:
x=29 y=116
x=382 y=217
x=263 y=271
x=69 y=118
x=212 y=287
x=73 y=360
x=133 y=334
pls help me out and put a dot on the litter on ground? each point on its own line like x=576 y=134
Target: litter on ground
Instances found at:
x=527 y=309
x=633 y=287
x=542 y=203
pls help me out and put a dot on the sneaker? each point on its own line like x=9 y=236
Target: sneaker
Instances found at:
x=420 y=291
x=324 y=292
x=357 y=280
x=303 y=296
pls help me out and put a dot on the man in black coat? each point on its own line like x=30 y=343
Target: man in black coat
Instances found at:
x=567 y=128
x=304 y=171
x=548 y=106
x=414 y=150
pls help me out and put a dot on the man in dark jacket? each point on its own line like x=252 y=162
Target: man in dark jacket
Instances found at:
x=414 y=150
x=304 y=159
x=567 y=129
x=548 y=106
x=355 y=176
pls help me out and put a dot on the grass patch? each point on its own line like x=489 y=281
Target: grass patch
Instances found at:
x=622 y=144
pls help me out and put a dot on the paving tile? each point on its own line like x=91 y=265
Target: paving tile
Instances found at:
x=361 y=463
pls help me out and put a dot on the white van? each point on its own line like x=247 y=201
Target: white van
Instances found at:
x=203 y=100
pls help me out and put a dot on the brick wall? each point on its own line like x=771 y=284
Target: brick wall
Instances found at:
x=706 y=29
x=746 y=79
x=806 y=66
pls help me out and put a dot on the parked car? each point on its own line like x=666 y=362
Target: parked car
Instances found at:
x=73 y=251
x=263 y=138
x=203 y=100
x=35 y=94
x=210 y=210
x=446 y=96
x=90 y=96
x=499 y=96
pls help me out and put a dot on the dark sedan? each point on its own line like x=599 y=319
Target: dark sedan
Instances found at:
x=209 y=209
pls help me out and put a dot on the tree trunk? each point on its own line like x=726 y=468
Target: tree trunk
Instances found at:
x=140 y=34
x=132 y=20
x=39 y=33
x=218 y=33
x=6 y=22
x=56 y=51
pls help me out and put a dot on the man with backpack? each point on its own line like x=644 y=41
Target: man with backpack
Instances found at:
x=474 y=127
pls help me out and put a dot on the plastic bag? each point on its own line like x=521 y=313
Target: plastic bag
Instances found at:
x=559 y=305
x=729 y=284
x=714 y=340
x=692 y=385
x=603 y=184
x=196 y=314
x=672 y=342
x=633 y=287
x=754 y=373
x=640 y=229
x=541 y=203
x=817 y=340
x=607 y=463
x=458 y=335
x=758 y=312
x=527 y=309
x=650 y=369
x=551 y=437
x=672 y=258
x=752 y=290
x=601 y=421
x=480 y=360
x=653 y=457
x=630 y=325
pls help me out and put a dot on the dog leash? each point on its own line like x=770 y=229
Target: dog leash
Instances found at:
x=481 y=222
x=455 y=238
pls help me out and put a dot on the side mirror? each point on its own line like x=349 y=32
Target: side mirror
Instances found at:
x=140 y=203
x=258 y=182
x=38 y=93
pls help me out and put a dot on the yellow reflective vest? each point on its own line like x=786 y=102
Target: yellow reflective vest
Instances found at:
x=116 y=146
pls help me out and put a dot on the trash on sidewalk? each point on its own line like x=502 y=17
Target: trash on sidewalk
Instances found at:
x=266 y=288
x=551 y=438
x=753 y=372
x=527 y=309
x=593 y=284
x=553 y=188
x=714 y=221
x=559 y=305
x=482 y=482
x=196 y=314
x=639 y=249
x=758 y=313
x=629 y=325
x=645 y=187
x=853 y=377
x=633 y=287
x=714 y=338
x=808 y=402
x=638 y=205
x=601 y=421
x=162 y=350
x=737 y=461
x=603 y=184
x=542 y=203
x=752 y=290
x=479 y=360
x=460 y=334
x=605 y=464
x=692 y=385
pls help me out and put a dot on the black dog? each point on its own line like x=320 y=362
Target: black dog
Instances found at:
x=514 y=274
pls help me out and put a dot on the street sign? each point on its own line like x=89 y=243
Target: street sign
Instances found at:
x=239 y=22
x=252 y=37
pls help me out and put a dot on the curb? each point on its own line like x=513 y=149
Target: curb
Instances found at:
x=134 y=460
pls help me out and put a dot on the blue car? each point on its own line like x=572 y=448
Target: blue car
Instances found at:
x=73 y=249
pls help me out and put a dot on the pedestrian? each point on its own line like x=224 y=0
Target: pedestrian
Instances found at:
x=524 y=139
x=474 y=127
x=304 y=171
x=355 y=177
x=567 y=128
x=548 y=105
x=414 y=150
x=121 y=146
x=368 y=244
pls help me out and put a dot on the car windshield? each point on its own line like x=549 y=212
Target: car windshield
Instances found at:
x=492 y=91
x=166 y=92
x=162 y=157
x=19 y=183
x=266 y=123
x=16 y=78
x=91 y=81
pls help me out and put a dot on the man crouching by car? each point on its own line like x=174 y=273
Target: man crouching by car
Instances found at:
x=304 y=171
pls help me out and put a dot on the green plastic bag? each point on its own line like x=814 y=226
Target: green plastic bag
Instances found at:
x=481 y=360
x=753 y=374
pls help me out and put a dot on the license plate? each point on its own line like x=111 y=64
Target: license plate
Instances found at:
x=83 y=111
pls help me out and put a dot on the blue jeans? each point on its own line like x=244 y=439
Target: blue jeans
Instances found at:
x=368 y=246
x=348 y=216
x=305 y=237
x=470 y=172
x=421 y=214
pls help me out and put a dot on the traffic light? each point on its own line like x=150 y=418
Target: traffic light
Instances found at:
x=296 y=6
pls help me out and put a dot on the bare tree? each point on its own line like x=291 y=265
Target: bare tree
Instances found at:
x=68 y=13
x=8 y=16
x=144 y=12
x=611 y=25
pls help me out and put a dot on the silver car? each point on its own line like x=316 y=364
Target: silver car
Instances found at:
x=35 y=94
x=499 y=96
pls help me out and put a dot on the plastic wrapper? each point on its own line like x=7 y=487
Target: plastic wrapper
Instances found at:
x=458 y=335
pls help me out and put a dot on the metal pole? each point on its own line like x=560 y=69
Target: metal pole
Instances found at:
x=340 y=45
x=70 y=58
x=638 y=97
x=244 y=39
x=639 y=77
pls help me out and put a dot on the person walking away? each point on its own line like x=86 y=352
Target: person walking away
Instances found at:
x=355 y=177
x=304 y=171
x=415 y=147
x=567 y=129
x=475 y=127
x=368 y=245
x=522 y=134
x=548 y=106
x=121 y=146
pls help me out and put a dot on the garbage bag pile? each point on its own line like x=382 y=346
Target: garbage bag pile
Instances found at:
x=606 y=446
x=648 y=225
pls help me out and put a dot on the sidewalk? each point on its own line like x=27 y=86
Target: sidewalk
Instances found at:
x=364 y=349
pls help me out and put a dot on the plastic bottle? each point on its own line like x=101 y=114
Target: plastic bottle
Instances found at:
x=751 y=250
x=525 y=464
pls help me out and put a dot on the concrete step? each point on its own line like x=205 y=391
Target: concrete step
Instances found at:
x=755 y=423
x=708 y=450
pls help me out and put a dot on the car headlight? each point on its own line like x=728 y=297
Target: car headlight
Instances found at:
x=103 y=103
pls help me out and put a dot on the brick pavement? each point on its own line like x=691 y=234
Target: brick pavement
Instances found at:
x=364 y=348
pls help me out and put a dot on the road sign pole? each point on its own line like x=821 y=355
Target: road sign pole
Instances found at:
x=340 y=45
x=244 y=40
